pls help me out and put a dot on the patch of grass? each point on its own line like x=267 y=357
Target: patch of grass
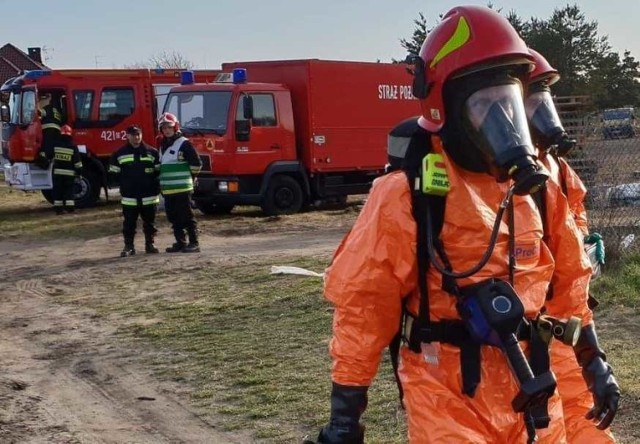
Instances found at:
x=620 y=286
x=29 y=214
x=252 y=346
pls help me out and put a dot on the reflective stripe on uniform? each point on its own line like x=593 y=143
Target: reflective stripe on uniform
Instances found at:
x=63 y=172
x=152 y=200
x=63 y=150
x=177 y=190
x=129 y=201
x=125 y=158
x=50 y=126
x=133 y=202
x=114 y=168
x=149 y=170
x=175 y=177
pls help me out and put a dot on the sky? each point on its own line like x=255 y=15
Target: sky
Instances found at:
x=116 y=33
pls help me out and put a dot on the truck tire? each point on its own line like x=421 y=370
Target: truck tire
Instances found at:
x=212 y=209
x=48 y=195
x=86 y=189
x=283 y=196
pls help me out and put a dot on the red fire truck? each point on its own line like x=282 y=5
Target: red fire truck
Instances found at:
x=98 y=104
x=285 y=134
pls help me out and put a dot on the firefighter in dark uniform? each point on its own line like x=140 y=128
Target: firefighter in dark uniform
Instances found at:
x=137 y=165
x=50 y=121
x=67 y=164
x=180 y=163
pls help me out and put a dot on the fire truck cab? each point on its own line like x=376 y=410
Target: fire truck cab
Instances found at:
x=98 y=104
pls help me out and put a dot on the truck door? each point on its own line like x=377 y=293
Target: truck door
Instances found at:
x=29 y=133
x=268 y=142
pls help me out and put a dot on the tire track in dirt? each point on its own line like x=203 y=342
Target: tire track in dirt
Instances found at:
x=64 y=378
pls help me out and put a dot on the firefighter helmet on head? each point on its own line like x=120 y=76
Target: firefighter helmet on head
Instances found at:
x=543 y=72
x=474 y=65
x=66 y=130
x=468 y=39
x=170 y=120
x=547 y=131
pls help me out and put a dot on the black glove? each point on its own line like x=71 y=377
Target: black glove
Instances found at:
x=347 y=405
x=599 y=378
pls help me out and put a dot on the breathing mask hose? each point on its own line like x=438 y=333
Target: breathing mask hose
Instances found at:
x=487 y=254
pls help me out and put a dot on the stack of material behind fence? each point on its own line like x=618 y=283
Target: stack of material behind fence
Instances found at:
x=610 y=169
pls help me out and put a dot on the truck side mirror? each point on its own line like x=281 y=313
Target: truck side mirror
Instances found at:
x=5 y=116
x=243 y=130
x=247 y=107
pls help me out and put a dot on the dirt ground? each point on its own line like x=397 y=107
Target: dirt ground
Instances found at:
x=63 y=376
x=66 y=376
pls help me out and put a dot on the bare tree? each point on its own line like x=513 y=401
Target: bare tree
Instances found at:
x=164 y=59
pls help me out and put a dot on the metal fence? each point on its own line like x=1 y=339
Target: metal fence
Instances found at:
x=608 y=161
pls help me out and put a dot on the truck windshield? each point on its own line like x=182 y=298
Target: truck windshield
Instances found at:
x=13 y=100
x=22 y=106
x=200 y=111
x=617 y=114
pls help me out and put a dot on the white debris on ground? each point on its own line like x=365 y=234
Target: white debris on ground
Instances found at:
x=285 y=269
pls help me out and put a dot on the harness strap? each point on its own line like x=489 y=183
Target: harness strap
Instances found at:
x=454 y=332
x=540 y=363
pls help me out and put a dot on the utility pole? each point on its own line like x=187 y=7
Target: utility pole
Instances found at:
x=96 y=59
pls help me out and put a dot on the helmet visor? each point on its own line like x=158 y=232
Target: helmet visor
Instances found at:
x=499 y=124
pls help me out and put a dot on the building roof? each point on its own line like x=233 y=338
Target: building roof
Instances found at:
x=14 y=60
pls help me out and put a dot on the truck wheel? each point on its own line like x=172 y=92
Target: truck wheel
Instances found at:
x=48 y=194
x=86 y=189
x=283 y=196
x=212 y=209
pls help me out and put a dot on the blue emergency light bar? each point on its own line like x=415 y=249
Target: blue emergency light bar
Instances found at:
x=239 y=75
x=36 y=73
x=186 y=78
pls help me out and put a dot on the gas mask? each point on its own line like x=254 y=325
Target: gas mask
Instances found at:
x=496 y=123
x=546 y=129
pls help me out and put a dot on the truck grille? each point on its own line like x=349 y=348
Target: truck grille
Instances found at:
x=206 y=163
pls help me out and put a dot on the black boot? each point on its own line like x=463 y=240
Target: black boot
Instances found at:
x=181 y=242
x=128 y=250
x=176 y=248
x=149 y=248
x=194 y=246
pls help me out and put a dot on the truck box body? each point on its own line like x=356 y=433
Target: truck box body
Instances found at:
x=282 y=134
x=342 y=110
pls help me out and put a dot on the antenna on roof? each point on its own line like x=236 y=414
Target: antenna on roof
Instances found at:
x=47 y=52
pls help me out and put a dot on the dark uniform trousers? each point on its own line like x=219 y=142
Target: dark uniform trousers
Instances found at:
x=62 y=192
x=180 y=215
x=148 y=215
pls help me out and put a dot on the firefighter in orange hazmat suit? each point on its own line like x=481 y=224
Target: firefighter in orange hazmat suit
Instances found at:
x=553 y=143
x=461 y=365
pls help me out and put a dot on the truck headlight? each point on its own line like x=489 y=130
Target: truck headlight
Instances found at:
x=223 y=186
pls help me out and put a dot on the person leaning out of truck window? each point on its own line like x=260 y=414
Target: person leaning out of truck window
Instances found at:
x=180 y=163
x=67 y=164
x=137 y=165
x=50 y=120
